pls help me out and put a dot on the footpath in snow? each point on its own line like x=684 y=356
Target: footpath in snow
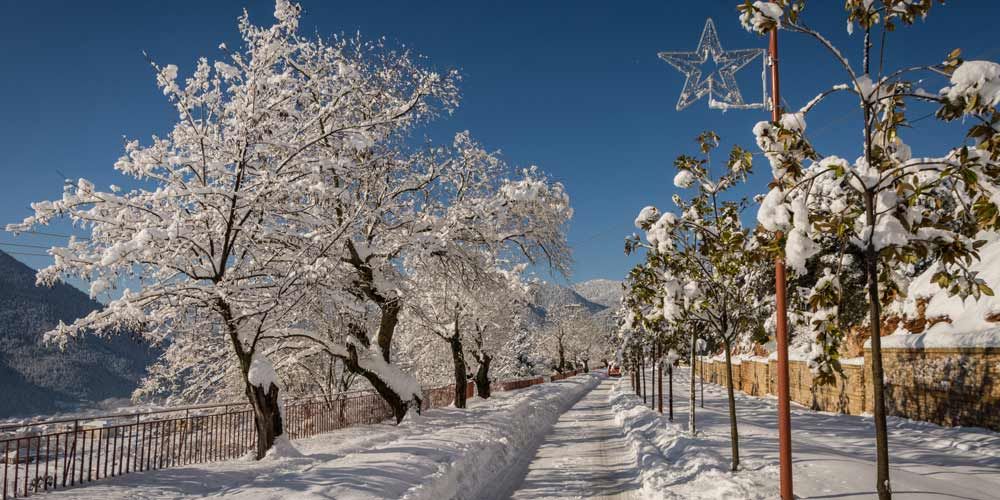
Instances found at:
x=445 y=453
x=833 y=454
x=585 y=455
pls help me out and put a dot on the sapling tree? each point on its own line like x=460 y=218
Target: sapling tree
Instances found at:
x=710 y=269
x=888 y=209
x=642 y=305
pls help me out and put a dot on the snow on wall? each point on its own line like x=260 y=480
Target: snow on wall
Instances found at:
x=969 y=324
x=942 y=339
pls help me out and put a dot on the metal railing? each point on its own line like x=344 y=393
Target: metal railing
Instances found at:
x=59 y=453
x=513 y=385
x=565 y=375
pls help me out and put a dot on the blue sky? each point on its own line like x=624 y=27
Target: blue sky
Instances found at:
x=572 y=86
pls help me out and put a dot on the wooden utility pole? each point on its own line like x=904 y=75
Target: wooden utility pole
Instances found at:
x=784 y=415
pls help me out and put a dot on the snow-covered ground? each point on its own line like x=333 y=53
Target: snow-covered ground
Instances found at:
x=589 y=436
x=833 y=454
x=675 y=465
x=585 y=455
x=446 y=453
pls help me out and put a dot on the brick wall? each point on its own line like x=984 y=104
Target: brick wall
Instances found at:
x=944 y=386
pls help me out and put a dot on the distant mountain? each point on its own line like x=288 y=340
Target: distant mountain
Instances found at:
x=607 y=293
x=598 y=297
x=40 y=379
x=549 y=295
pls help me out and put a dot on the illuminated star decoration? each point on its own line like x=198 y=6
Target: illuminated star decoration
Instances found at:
x=720 y=85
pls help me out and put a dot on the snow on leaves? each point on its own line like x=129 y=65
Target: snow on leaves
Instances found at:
x=284 y=200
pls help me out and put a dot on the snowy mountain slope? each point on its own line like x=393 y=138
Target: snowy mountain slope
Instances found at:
x=550 y=295
x=38 y=379
x=607 y=293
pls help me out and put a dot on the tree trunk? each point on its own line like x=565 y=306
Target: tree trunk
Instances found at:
x=562 y=356
x=652 y=381
x=461 y=379
x=632 y=374
x=483 y=376
x=392 y=398
x=387 y=327
x=733 y=432
x=701 y=380
x=642 y=376
x=670 y=383
x=635 y=374
x=691 y=400
x=878 y=388
x=266 y=416
x=659 y=382
x=586 y=366
x=265 y=403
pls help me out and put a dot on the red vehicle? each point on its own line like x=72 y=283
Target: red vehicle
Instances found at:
x=614 y=371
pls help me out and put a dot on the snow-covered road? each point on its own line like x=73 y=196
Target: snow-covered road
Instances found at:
x=584 y=455
x=834 y=454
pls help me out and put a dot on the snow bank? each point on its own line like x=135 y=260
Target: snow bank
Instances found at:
x=447 y=453
x=675 y=465
x=967 y=320
x=987 y=338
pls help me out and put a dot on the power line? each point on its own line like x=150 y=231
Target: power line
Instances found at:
x=43 y=247
x=54 y=235
x=29 y=254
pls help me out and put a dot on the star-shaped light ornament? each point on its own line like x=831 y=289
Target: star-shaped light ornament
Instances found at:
x=720 y=85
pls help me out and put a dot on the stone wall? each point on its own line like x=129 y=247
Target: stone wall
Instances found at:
x=947 y=386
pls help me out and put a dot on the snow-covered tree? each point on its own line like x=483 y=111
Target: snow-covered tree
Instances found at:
x=284 y=188
x=521 y=355
x=461 y=301
x=892 y=212
x=227 y=226
x=704 y=267
x=565 y=335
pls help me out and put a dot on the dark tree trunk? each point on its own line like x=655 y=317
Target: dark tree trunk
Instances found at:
x=691 y=409
x=265 y=403
x=634 y=372
x=266 y=416
x=642 y=376
x=652 y=381
x=733 y=432
x=461 y=380
x=659 y=384
x=562 y=357
x=670 y=383
x=392 y=398
x=398 y=405
x=878 y=387
x=701 y=381
x=387 y=327
x=483 y=376
x=586 y=366
x=389 y=309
